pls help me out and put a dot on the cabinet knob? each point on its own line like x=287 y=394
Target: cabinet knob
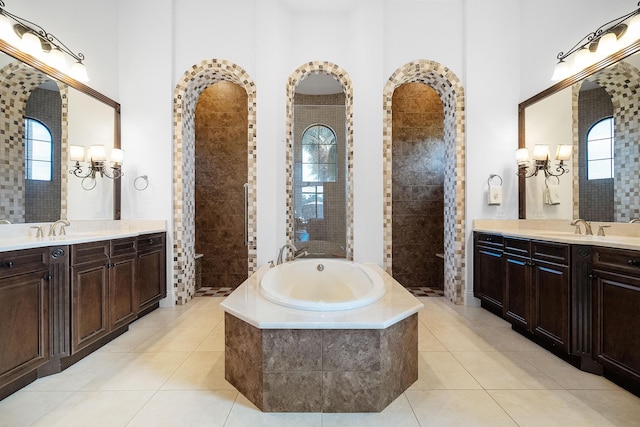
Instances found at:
x=7 y=264
x=150 y=241
x=592 y=276
x=633 y=262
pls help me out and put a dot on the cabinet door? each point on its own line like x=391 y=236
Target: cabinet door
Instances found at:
x=616 y=322
x=517 y=307
x=24 y=324
x=150 y=280
x=489 y=278
x=89 y=312
x=550 y=319
x=122 y=301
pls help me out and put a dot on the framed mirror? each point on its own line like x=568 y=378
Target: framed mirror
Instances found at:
x=579 y=111
x=43 y=113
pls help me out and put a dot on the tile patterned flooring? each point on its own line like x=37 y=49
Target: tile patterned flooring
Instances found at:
x=168 y=370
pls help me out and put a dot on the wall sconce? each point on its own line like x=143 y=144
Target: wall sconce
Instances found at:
x=97 y=158
x=37 y=42
x=595 y=46
x=541 y=160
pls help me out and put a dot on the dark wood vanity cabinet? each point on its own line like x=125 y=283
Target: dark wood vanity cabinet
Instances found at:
x=488 y=272
x=517 y=260
x=616 y=313
x=102 y=289
x=551 y=279
x=24 y=314
x=537 y=289
x=150 y=271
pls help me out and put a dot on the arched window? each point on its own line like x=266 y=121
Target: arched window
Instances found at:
x=600 y=149
x=38 y=150
x=319 y=165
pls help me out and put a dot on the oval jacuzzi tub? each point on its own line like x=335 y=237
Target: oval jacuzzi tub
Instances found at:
x=322 y=285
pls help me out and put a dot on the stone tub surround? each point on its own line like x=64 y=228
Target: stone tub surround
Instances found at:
x=22 y=236
x=248 y=304
x=618 y=234
x=289 y=360
x=321 y=370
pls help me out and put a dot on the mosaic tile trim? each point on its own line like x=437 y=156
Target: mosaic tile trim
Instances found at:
x=17 y=81
x=186 y=94
x=319 y=67
x=451 y=92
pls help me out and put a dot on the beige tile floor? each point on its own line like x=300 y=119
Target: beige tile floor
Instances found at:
x=168 y=370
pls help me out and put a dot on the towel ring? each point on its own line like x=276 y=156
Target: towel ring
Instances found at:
x=494 y=176
x=546 y=180
x=144 y=185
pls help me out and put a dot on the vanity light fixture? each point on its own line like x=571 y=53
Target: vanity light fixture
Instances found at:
x=541 y=160
x=37 y=42
x=595 y=46
x=96 y=158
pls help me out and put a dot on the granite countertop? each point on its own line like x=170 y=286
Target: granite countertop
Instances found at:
x=22 y=236
x=617 y=235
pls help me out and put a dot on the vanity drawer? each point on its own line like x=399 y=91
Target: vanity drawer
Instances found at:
x=125 y=246
x=557 y=253
x=23 y=261
x=516 y=246
x=621 y=260
x=489 y=240
x=150 y=241
x=88 y=252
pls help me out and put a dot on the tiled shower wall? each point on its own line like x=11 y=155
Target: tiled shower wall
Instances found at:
x=220 y=174
x=328 y=110
x=418 y=186
x=597 y=195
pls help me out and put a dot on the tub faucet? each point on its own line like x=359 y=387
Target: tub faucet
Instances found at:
x=282 y=259
x=5 y=221
x=63 y=223
x=587 y=226
x=634 y=220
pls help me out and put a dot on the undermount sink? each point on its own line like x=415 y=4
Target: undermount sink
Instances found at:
x=563 y=234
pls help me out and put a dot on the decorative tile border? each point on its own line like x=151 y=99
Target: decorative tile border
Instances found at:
x=17 y=83
x=319 y=67
x=451 y=92
x=186 y=94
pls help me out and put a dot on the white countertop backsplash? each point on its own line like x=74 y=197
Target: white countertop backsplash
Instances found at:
x=22 y=236
x=617 y=235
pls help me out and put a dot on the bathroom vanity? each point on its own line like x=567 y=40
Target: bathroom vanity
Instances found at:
x=576 y=295
x=62 y=298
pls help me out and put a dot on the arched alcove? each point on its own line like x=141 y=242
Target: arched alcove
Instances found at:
x=192 y=83
x=451 y=92
x=320 y=67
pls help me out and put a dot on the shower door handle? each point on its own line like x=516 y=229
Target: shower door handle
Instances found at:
x=246 y=214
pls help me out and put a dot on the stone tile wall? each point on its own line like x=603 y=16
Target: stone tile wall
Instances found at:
x=326 y=370
x=221 y=171
x=418 y=186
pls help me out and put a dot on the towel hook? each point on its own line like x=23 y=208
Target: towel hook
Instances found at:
x=144 y=185
x=546 y=180
x=494 y=176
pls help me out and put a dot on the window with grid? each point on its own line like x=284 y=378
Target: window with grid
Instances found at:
x=38 y=150
x=600 y=149
x=319 y=165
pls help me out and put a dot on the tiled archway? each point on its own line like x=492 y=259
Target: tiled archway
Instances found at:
x=186 y=94
x=320 y=67
x=451 y=92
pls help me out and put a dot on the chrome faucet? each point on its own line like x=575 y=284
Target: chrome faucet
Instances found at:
x=634 y=220
x=587 y=226
x=5 y=221
x=295 y=253
x=63 y=223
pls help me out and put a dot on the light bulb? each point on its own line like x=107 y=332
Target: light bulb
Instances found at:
x=31 y=44
x=560 y=72
x=79 y=72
